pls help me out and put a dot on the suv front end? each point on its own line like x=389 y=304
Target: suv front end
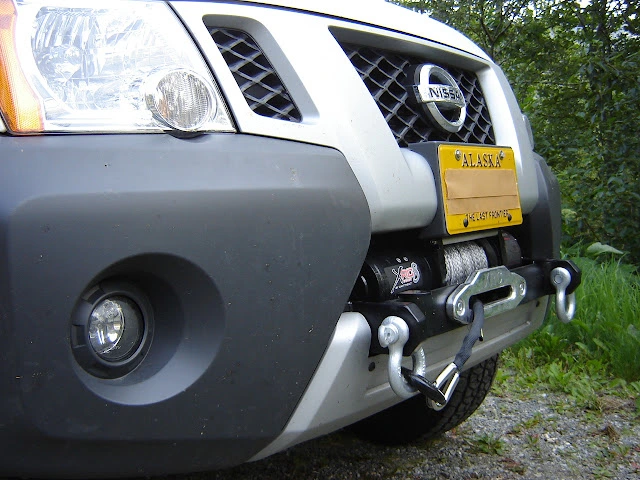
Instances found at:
x=209 y=209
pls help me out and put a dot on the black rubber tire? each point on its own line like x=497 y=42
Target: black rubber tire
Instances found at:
x=412 y=419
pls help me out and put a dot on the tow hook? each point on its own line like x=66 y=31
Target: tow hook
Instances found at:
x=565 y=303
x=394 y=333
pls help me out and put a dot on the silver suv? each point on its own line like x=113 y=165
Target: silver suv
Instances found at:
x=227 y=227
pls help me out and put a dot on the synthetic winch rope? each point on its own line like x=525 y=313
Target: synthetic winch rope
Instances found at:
x=474 y=334
x=461 y=260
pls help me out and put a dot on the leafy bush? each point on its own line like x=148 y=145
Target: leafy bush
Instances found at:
x=604 y=338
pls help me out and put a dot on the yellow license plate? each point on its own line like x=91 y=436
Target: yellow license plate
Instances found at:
x=479 y=186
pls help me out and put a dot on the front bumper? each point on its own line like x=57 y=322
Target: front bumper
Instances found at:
x=247 y=248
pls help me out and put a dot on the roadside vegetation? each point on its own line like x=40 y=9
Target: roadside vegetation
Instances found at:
x=598 y=353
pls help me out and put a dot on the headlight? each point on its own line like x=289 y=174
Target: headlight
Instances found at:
x=125 y=66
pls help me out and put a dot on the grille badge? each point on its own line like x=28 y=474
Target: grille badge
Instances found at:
x=389 y=79
x=439 y=94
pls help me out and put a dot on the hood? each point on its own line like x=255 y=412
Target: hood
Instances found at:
x=379 y=13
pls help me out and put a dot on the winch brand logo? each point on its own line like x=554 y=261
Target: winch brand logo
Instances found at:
x=439 y=93
x=405 y=276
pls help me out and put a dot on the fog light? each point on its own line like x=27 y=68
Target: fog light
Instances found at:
x=116 y=328
x=181 y=99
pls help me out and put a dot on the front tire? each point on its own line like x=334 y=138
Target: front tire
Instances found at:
x=412 y=419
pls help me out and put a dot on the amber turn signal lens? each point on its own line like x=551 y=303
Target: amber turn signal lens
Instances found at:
x=19 y=106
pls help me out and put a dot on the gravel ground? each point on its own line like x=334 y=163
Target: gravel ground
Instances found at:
x=544 y=436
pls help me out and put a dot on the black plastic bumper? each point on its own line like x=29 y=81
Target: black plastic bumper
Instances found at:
x=247 y=249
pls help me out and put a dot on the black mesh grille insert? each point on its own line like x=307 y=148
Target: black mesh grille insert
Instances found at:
x=383 y=72
x=265 y=93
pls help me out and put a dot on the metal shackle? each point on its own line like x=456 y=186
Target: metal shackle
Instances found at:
x=565 y=303
x=393 y=333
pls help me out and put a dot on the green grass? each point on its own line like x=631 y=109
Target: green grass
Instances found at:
x=488 y=444
x=599 y=350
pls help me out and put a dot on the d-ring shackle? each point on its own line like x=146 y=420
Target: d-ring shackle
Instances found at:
x=565 y=304
x=394 y=334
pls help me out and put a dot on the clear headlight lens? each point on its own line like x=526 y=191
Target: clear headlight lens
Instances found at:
x=125 y=66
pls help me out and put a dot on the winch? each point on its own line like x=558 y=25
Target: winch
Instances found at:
x=412 y=295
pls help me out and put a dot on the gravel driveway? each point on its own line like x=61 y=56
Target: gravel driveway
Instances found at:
x=544 y=436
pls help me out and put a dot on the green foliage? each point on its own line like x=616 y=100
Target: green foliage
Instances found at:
x=582 y=380
x=607 y=324
x=489 y=444
x=602 y=343
x=596 y=249
x=529 y=423
x=575 y=68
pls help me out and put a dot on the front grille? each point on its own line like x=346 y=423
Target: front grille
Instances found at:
x=263 y=90
x=383 y=72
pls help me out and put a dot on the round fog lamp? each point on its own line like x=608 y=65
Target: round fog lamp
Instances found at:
x=181 y=99
x=116 y=328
